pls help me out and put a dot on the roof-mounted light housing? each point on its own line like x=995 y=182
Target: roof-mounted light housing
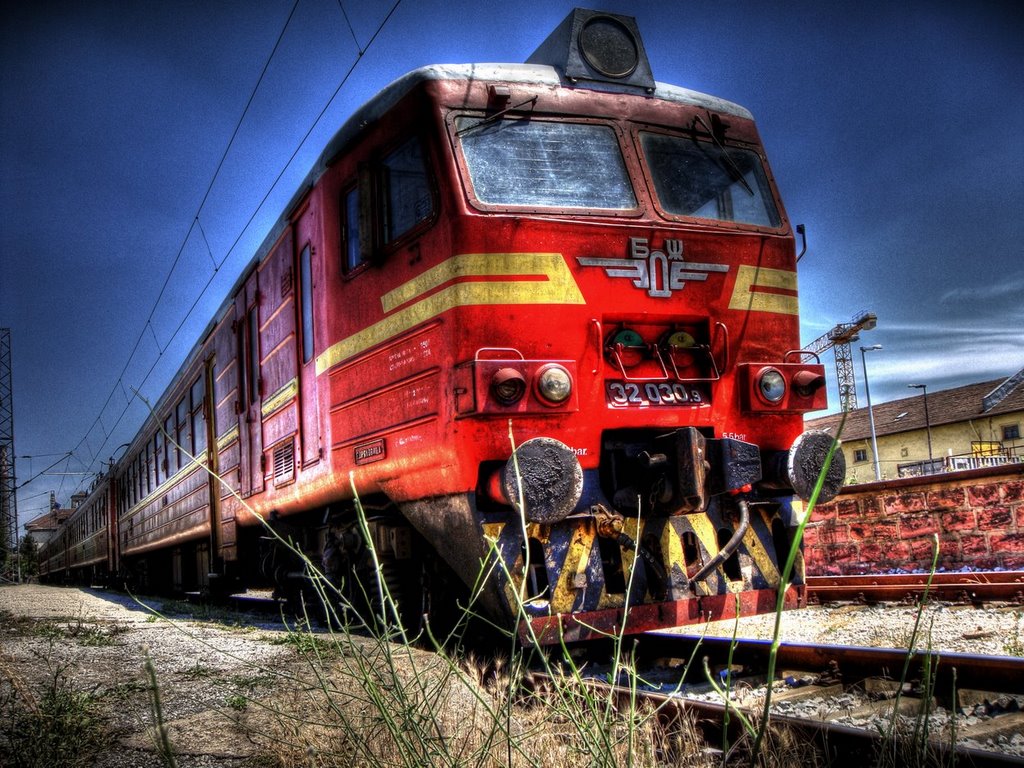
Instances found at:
x=597 y=47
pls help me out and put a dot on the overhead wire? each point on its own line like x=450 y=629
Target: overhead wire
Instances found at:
x=181 y=249
x=196 y=222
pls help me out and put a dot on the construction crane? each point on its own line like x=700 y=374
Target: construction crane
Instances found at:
x=840 y=338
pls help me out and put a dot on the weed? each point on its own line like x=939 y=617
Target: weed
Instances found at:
x=161 y=737
x=199 y=672
x=307 y=643
x=52 y=724
x=78 y=628
x=1013 y=645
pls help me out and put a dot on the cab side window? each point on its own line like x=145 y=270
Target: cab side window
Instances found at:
x=353 y=250
x=390 y=197
x=407 y=197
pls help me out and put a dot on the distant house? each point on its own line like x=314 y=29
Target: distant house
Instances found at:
x=46 y=525
x=968 y=427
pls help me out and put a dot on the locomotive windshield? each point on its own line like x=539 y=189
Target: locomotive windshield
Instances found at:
x=523 y=162
x=706 y=181
x=535 y=163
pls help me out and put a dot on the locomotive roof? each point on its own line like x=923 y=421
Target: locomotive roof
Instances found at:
x=526 y=74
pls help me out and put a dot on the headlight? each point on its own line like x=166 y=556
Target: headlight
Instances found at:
x=771 y=385
x=554 y=384
x=508 y=386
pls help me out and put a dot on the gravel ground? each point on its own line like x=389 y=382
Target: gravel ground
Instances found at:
x=207 y=668
x=990 y=631
x=101 y=640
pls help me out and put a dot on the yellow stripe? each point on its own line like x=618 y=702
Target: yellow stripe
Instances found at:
x=190 y=467
x=577 y=556
x=630 y=527
x=280 y=398
x=745 y=298
x=227 y=438
x=559 y=287
x=756 y=550
x=708 y=537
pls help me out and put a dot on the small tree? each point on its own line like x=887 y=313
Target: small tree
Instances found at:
x=29 y=552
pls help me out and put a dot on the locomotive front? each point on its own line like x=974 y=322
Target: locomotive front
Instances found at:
x=631 y=393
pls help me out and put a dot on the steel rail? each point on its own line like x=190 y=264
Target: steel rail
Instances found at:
x=841 y=744
x=998 y=674
x=970 y=586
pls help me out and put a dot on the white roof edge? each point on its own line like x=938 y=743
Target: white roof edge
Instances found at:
x=527 y=74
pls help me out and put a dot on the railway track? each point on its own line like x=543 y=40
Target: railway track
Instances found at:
x=840 y=698
x=974 y=587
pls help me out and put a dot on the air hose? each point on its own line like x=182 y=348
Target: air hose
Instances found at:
x=725 y=552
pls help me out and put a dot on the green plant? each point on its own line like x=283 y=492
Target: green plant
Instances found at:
x=161 y=737
x=238 y=702
x=1013 y=645
x=54 y=723
x=784 y=579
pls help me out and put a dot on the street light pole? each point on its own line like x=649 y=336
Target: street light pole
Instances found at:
x=927 y=421
x=871 y=413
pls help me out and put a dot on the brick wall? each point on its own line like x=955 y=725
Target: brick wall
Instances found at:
x=978 y=516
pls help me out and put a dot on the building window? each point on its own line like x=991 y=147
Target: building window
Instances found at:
x=1011 y=432
x=861 y=454
x=904 y=452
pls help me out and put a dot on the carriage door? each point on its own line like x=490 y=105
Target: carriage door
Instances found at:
x=309 y=271
x=250 y=417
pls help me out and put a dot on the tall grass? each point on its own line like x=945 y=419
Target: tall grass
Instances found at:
x=363 y=694
x=784 y=579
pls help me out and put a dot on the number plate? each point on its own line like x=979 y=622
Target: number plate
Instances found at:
x=632 y=394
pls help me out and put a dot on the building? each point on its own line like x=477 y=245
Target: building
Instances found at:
x=968 y=427
x=46 y=525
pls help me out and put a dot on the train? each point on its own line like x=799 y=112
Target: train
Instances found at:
x=541 y=322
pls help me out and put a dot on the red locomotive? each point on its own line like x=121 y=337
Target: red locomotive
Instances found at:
x=563 y=255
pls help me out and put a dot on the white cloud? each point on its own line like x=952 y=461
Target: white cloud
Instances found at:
x=979 y=293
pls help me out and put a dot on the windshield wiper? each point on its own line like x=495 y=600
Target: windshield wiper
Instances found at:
x=728 y=158
x=496 y=116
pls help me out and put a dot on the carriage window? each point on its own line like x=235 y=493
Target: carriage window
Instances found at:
x=147 y=468
x=407 y=186
x=700 y=179
x=161 y=465
x=350 y=229
x=184 y=430
x=171 y=455
x=253 y=351
x=559 y=165
x=198 y=425
x=306 y=301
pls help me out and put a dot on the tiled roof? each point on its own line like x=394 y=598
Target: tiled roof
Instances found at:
x=49 y=521
x=947 y=406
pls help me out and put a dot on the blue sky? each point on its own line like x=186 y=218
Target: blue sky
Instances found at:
x=893 y=130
